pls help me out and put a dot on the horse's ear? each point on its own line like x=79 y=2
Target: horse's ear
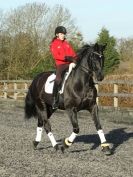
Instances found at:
x=96 y=46
x=104 y=46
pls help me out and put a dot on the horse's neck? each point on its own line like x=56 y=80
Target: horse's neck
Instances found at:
x=82 y=73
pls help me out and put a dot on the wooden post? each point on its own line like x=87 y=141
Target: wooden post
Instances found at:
x=26 y=88
x=15 y=91
x=5 y=90
x=115 y=98
x=97 y=99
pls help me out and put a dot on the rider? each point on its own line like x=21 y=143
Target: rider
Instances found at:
x=63 y=55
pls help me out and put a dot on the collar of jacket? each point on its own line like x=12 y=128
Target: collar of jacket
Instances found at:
x=57 y=39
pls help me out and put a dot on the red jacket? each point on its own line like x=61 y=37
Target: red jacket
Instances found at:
x=60 y=49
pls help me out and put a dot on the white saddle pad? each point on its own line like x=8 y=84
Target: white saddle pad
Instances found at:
x=50 y=84
x=50 y=81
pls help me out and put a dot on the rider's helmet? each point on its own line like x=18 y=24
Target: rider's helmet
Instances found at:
x=60 y=29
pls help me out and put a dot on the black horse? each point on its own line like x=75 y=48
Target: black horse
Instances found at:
x=79 y=94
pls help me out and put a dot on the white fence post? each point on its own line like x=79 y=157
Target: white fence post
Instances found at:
x=25 y=87
x=15 y=91
x=5 y=87
x=115 y=98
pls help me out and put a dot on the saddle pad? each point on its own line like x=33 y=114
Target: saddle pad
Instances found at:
x=50 y=83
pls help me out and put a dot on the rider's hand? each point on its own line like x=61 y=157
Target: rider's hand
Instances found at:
x=73 y=65
x=68 y=59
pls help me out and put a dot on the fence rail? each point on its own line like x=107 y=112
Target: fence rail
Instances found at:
x=11 y=87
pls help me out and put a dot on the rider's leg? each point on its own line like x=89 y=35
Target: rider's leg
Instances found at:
x=55 y=95
x=59 y=70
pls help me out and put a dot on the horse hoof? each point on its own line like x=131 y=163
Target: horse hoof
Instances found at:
x=62 y=149
x=65 y=144
x=56 y=147
x=35 y=143
x=106 y=149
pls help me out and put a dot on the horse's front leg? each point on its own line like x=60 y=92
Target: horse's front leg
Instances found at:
x=67 y=142
x=95 y=116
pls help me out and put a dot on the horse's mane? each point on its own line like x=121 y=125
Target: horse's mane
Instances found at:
x=83 y=51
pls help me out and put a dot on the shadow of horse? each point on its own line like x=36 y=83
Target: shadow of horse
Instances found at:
x=116 y=137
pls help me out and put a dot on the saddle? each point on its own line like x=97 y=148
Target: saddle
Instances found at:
x=50 y=81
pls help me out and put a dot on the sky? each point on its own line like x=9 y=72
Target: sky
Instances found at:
x=91 y=15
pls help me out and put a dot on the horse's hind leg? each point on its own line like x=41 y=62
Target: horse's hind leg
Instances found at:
x=95 y=116
x=43 y=116
x=72 y=113
x=38 y=131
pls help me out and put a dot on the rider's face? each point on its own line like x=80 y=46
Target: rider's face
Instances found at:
x=61 y=36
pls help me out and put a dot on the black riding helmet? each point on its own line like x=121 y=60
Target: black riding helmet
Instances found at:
x=60 y=29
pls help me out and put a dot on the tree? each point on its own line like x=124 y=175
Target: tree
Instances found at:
x=77 y=41
x=5 y=43
x=112 y=59
x=24 y=50
x=125 y=48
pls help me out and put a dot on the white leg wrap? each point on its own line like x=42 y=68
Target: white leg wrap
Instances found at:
x=39 y=134
x=52 y=139
x=101 y=135
x=72 y=137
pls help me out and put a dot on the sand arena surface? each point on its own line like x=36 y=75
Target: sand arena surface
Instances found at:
x=83 y=159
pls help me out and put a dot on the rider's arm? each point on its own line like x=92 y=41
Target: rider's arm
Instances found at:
x=70 y=59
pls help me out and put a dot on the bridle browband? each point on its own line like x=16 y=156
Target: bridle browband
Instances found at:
x=100 y=55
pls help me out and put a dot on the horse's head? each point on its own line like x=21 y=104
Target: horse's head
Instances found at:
x=96 y=61
x=91 y=60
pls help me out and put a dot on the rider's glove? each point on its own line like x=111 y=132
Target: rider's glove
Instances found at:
x=73 y=65
x=69 y=59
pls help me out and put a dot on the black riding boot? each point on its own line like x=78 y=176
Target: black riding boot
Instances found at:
x=55 y=96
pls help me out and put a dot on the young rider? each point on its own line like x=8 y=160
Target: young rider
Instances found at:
x=63 y=55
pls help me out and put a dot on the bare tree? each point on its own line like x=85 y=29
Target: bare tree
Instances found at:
x=30 y=29
x=125 y=48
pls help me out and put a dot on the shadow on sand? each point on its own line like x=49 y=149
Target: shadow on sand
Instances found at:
x=116 y=137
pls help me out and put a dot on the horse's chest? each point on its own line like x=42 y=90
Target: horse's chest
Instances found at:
x=88 y=97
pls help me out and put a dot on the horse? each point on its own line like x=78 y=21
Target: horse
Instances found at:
x=79 y=94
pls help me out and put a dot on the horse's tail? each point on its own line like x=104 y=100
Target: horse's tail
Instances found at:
x=30 y=109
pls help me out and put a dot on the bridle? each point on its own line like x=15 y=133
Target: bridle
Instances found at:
x=100 y=55
x=85 y=69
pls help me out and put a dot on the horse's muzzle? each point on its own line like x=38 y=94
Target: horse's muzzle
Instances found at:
x=99 y=76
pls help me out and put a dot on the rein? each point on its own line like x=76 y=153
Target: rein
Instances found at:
x=86 y=70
